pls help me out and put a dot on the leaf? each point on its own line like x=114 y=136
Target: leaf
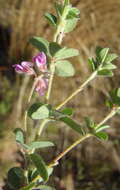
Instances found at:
x=65 y=53
x=19 y=135
x=70 y=25
x=109 y=66
x=91 y=63
x=36 y=173
x=102 y=135
x=72 y=124
x=103 y=54
x=41 y=113
x=102 y=127
x=44 y=187
x=106 y=73
x=39 y=144
x=73 y=13
x=51 y=18
x=66 y=2
x=16 y=178
x=90 y=123
x=54 y=48
x=40 y=43
x=29 y=186
x=115 y=96
x=59 y=8
x=67 y=111
x=40 y=165
x=64 y=69
x=33 y=108
x=111 y=57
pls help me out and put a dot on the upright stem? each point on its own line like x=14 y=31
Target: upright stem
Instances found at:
x=29 y=99
x=57 y=38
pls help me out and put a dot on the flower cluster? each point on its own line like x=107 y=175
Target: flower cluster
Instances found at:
x=40 y=62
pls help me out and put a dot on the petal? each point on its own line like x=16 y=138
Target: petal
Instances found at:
x=18 y=68
x=41 y=86
x=26 y=64
x=40 y=60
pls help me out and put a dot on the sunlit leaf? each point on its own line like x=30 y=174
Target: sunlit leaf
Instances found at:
x=64 y=69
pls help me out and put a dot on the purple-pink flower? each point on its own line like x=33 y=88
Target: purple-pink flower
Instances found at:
x=24 y=68
x=41 y=86
x=40 y=60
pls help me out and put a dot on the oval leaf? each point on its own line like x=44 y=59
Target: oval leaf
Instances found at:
x=64 y=69
x=44 y=187
x=40 y=165
x=70 y=25
x=72 y=124
x=65 y=53
x=102 y=136
x=39 y=144
x=54 y=48
x=40 y=113
x=16 y=178
x=40 y=43
x=19 y=135
x=51 y=18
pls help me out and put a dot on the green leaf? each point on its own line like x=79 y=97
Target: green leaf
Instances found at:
x=64 y=69
x=51 y=18
x=54 y=48
x=59 y=8
x=67 y=111
x=72 y=124
x=41 y=113
x=29 y=186
x=73 y=13
x=109 y=66
x=66 y=2
x=91 y=63
x=102 y=127
x=35 y=173
x=41 y=44
x=70 y=25
x=103 y=54
x=111 y=57
x=115 y=96
x=102 y=135
x=19 y=135
x=65 y=53
x=106 y=73
x=16 y=178
x=40 y=165
x=44 y=187
x=34 y=108
x=39 y=144
x=90 y=123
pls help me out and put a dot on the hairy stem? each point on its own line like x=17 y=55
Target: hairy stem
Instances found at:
x=29 y=99
x=69 y=149
x=92 y=76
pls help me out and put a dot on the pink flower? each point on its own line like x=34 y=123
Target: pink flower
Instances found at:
x=40 y=60
x=41 y=86
x=24 y=68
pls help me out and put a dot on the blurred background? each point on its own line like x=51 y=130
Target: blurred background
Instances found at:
x=92 y=165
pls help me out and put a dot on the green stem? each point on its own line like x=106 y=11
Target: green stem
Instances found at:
x=29 y=99
x=58 y=37
x=69 y=149
x=94 y=74
x=109 y=116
